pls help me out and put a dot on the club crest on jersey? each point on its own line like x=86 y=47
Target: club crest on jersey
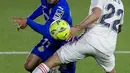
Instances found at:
x=41 y=49
x=59 y=13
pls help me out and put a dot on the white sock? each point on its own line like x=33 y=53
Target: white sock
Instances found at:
x=42 y=68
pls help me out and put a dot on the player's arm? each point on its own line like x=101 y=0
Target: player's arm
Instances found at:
x=36 y=13
x=93 y=17
x=42 y=29
x=96 y=6
x=96 y=13
x=23 y=22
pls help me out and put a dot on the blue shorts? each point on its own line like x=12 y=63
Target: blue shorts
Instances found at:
x=44 y=52
x=45 y=48
x=44 y=55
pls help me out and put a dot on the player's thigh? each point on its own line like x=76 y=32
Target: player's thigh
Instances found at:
x=33 y=58
x=75 y=51
x=36 y=56
x=32 y=61
x=105 y=61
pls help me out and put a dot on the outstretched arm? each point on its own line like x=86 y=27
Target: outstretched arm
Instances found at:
x=23 y=22
x=42 y=29
x=36 y=13
x=96 y=12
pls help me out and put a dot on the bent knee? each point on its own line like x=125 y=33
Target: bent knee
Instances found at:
x=29 y=67
x=31 y=62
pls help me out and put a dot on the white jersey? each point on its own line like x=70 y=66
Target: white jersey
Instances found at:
x=103 y=33
x=99 y=40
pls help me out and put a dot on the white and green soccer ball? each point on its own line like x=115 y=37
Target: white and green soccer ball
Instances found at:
x=60 y=30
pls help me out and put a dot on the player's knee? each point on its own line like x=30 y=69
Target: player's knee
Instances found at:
x=28 y=67
x=31 y=62
x=57 y=60
x=53 y=61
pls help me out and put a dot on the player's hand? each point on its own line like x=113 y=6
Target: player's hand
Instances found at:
x=73 y=32
x=21 y=22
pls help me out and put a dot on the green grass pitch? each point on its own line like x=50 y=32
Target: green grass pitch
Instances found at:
x=12 y=40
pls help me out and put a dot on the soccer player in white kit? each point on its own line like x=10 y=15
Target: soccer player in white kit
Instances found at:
x=99 y=39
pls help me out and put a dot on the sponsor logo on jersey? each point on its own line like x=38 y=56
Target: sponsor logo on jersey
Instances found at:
x=59 y=13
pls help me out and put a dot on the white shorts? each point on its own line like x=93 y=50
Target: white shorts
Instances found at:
x=71 y=52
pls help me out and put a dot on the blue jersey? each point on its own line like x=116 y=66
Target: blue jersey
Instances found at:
x=47 y=46
x=51 y=12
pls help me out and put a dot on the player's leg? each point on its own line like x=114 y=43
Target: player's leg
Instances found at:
x=50 y=63
x=70 y=67
x=106 y=61
x=34 y=58
x=38 y=55
x=66 y=54
x=32 y=62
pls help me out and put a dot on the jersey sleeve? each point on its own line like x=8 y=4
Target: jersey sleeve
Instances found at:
x=40 y=28
x=36 y=13
x=97 y=3
x=57 y=13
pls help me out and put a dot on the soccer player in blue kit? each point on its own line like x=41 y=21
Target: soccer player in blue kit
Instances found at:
x=52 y=10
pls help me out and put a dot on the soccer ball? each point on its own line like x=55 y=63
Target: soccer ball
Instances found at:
x=60 y=30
